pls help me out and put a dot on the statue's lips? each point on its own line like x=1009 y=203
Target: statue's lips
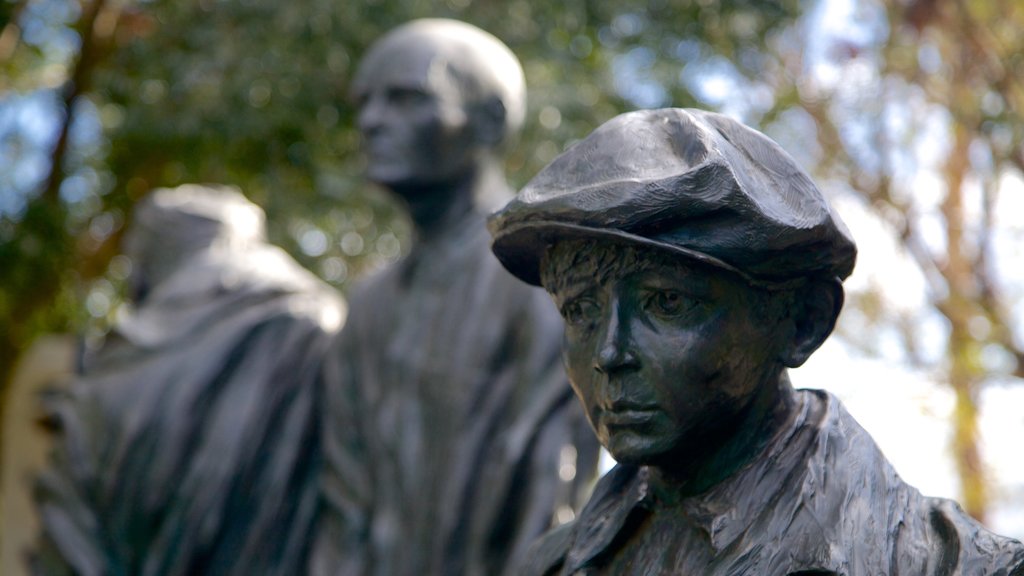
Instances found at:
x=626 y=417
x=381 y=148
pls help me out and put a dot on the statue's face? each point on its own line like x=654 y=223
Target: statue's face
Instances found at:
x=412 y=115
x=667 y=358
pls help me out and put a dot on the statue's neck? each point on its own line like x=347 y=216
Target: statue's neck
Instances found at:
x=437 y=207
x=770 y=412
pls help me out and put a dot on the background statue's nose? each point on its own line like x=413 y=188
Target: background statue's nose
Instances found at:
x=370 y=114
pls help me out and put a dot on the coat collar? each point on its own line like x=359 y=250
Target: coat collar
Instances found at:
x=724 y=513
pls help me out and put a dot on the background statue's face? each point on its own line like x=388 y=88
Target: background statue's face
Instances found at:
x=413 y=118
x=667 y=358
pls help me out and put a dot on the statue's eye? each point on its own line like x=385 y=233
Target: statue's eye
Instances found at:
x=580 y=311
x=668 y=303
x=407 y=96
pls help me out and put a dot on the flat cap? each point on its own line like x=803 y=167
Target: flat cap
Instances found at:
x=691 y=182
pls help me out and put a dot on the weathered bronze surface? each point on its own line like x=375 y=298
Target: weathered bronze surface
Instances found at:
x=449 y=417
x=694 y=262
x=188 y=445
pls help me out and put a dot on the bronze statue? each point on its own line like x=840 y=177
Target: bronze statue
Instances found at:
x=448 y=413
x=189 y=445
x=694 y=262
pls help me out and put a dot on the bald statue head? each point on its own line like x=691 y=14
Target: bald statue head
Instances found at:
x=438 y=100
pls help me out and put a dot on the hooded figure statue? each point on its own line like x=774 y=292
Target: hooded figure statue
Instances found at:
x=188 y=445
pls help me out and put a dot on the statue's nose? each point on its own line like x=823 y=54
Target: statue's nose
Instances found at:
x=617 y=350
x=371 y=114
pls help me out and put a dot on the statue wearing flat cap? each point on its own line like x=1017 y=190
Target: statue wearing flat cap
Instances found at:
x=693 y=263
x=452 y=436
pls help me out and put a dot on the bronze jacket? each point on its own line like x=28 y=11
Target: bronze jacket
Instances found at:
x=821 y=499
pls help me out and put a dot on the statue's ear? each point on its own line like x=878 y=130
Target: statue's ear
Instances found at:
x=816 y=307
x=490 y=122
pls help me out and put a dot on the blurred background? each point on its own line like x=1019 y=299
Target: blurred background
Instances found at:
x=907 y=113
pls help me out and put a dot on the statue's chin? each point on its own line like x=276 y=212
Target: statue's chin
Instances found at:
x=629 y=447
x=388 y=175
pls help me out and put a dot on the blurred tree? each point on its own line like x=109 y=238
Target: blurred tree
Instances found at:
x=37 y=252
x=926 y=127
x=253 y=93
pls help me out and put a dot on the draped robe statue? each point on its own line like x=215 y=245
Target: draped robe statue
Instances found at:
x=189 y=444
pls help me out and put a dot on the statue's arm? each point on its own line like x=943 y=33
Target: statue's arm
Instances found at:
x=567 y=417
x=72 y=539
x=546 y=555
x=341 y=544
x=563 y=453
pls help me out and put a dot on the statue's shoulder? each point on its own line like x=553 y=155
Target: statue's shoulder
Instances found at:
x=546 y=556
x=958 y=540
x=935 y=535
x=377 y=291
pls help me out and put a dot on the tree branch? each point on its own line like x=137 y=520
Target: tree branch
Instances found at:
x=11 y=34
x=75 y=86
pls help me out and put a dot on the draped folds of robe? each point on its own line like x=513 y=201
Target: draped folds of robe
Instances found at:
x=450 y=418
x=820 y=499
x=189 y=446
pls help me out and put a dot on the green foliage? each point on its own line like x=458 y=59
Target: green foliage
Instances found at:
x=254 y=93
